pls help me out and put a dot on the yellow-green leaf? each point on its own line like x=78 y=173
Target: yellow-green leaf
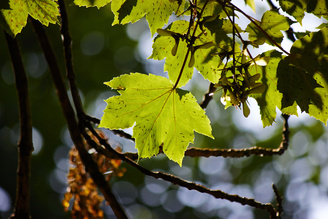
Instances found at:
x=297 y=8
x=13 y=20
x=157 y=12
x=272 y=23
x=163 y=47
x=45 y=11
x=162 y=116
x=92 y=3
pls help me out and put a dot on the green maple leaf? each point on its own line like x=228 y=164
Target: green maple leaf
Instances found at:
x=271 y=23
x=92 y=3
x=303 y=75
x=213 y=8
x=211 y=42
x=163 y=116
x=45 y=11
x=297 y=8
x=209 y=59
x=157 y=12
x=13 y=20
x=162 y=48
x=270 y=99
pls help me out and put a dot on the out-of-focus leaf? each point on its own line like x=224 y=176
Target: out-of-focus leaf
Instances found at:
x=251 y=4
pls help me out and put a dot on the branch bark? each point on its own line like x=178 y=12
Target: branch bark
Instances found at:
x=67 y=43
x=25 y=145
x=208 y=96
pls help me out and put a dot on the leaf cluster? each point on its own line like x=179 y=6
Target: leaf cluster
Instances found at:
x=206 y=38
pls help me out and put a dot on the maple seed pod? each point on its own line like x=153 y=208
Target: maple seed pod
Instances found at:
x=251 y=80
x=175 y=47
x=246 y=110
x=260 y=88
x=164 y=32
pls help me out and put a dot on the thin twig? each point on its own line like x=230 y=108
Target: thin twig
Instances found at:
x=25 y=145
x=279 y=200
x=90 y=166
x=236 y=153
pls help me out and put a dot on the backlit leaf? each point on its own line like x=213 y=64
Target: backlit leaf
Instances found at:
x=210 y=47
x=45 y=11
x=126 y=11
x=270 y=99
x=297 y=8
x=303 y=75
x=209 y=60
x=272 y=23
x=162 y=116
x=162 y=48
x=92 y=3
x=13 y=20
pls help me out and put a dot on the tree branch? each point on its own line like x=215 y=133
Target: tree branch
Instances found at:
x=237 y=153
x=178 y=181
x=67 y=43
x=279 y=199
x=208 y=96
x=25 y=145
x=73 y=128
